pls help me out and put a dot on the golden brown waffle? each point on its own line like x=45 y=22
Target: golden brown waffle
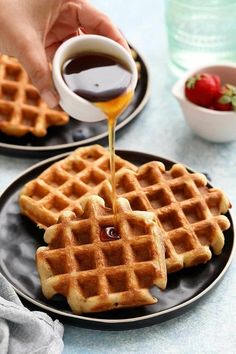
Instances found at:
x=22 y=110
x=187 y=210
x=65 y=182
x=96 y=275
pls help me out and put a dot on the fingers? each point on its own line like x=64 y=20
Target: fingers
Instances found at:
x=32 y=56
x=51 y=50
x=96 y=22
x=24 y=40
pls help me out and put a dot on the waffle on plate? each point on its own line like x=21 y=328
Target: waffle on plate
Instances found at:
x=64 y=183
x=22 y=110
x=97 y=275
x=187 y=210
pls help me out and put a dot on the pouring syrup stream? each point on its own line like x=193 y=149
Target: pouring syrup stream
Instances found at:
x=103 y=81
x=113 y=110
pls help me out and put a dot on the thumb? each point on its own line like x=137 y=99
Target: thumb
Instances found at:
x=33 y=58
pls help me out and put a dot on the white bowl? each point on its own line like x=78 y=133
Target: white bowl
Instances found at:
x=215 y=126
x=77 y=107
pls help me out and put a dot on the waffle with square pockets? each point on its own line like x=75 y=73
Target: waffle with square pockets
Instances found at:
x=22 y=110
x=96 y=275
x=186 y=209
x=65 y=182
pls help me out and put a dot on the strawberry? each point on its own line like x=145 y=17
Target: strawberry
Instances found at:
x=222 y=105
x=226 y=100
x=202 y=89
x=217 y=80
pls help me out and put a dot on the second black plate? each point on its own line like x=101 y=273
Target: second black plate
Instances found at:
x=19 y=239
x=76 y=133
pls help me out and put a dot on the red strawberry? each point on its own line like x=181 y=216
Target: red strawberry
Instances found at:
x=217 y=80
x=202 y=89
x=222 y=106
x=226 y=101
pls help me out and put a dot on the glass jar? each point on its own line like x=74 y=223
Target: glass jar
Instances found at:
x=200 y=32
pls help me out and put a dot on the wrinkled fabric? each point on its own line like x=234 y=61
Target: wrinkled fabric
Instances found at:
x=23 y=331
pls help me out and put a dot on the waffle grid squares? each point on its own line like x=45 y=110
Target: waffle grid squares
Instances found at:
x=22 y=110
x=64 y=183
x=183 y=206
x=98 y=270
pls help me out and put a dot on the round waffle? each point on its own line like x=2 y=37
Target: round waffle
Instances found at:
x=65 y=182
x=96 y=275
x=188 y=212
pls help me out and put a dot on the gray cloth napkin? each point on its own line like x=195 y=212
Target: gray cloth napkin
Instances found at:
x=23 y=331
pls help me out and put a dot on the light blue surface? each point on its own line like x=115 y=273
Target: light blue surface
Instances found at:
x=210 y=327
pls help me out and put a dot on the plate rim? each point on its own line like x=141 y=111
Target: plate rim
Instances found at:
x=123 y=321
x=51 y=148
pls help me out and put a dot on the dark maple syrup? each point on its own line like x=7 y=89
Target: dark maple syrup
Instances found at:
x=104 y=81
x=96 y=77
x=109 y=233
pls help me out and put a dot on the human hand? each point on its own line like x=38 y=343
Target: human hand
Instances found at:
x=32 y=30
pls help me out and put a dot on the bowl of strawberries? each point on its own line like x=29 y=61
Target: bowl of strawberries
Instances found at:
x=207 y=96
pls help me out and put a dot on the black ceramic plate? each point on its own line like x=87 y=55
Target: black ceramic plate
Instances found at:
x=19 y=239
x=76 y=133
